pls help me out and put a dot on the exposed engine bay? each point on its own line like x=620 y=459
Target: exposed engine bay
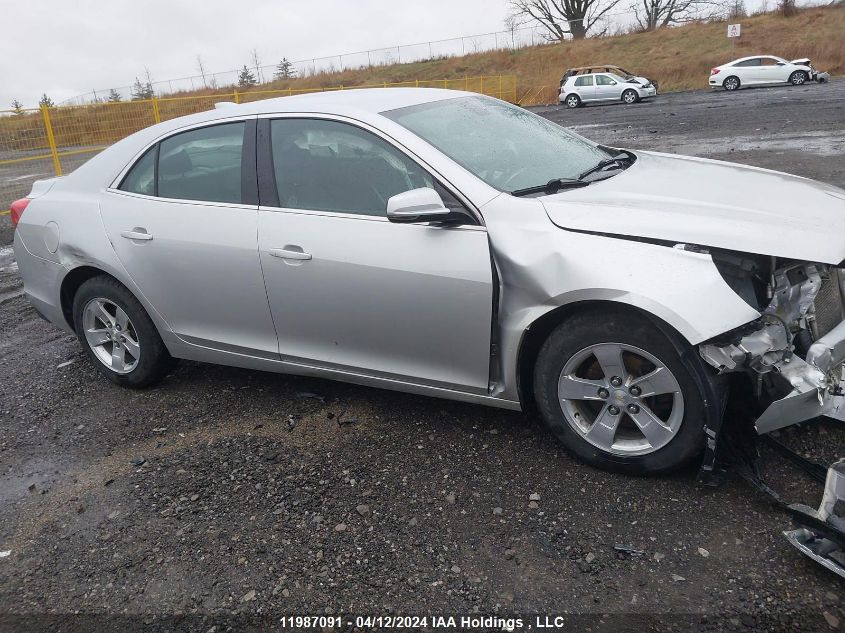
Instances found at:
x=793 y=355
x=794 y=352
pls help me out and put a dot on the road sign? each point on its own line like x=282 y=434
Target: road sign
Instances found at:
x=734 y=30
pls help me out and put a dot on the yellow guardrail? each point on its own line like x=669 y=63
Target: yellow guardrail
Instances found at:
x=49 y=141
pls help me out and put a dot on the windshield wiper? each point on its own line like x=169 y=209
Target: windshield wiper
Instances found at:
x=553 y=186
x=617 y=161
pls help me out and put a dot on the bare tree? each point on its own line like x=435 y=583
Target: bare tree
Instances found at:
x=259 y=76
x=201 y=67
x=512 y=24
x=653 y=14
x=787 y=8
x=560 y=18
x=737 y=10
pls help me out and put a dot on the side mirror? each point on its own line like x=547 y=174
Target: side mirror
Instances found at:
x=417 y=205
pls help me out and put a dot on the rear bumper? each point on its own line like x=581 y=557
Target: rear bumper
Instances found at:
x=42 y=281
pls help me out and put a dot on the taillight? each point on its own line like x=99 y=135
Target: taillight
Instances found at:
x=17 y=210
x=714 y=71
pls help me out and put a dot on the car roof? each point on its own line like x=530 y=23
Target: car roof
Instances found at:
x=594 y=66
x=364 y=104
x=742 y=59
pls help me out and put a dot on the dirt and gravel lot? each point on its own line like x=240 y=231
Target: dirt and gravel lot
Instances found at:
x=228 y=496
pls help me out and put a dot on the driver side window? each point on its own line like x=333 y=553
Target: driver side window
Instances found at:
x=325 y=165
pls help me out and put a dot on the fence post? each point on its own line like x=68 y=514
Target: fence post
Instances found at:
x=156 y=113
x=500 y=86
x=51 y=140
x=237 y=97
x=481 y=84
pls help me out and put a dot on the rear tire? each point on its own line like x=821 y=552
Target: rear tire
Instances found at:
x=118 y=335
x=572 y=101
x=731 y=83
x=605 y=421
x=798 y=78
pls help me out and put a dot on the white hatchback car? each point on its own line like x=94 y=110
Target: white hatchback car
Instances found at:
x=762 y=70
x=581 y=89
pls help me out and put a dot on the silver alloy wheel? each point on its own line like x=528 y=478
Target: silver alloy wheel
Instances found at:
x=731 y=83
x=572 y=101
x=798 y=78
x=629 y=97
x=621 y=399
x=111 y=335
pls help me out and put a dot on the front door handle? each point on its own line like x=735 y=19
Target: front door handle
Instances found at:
x=136 y=234
x=285 y=253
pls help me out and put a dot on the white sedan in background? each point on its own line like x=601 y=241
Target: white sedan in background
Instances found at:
x=763 y=70
x=580 y=89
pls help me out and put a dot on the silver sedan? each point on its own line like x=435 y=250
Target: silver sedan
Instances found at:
x=454 y=245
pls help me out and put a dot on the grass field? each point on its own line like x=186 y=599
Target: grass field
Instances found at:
x=678 y=58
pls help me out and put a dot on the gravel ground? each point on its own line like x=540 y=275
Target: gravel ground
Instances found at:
x=225 y=496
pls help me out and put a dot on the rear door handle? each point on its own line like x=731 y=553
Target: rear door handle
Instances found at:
x=136 y=234
x=284 y=253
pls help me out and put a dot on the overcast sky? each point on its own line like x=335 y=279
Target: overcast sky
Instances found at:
x=66 y=48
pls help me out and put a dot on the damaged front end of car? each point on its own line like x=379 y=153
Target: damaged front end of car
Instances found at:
x=793 y=355
x=794 y=352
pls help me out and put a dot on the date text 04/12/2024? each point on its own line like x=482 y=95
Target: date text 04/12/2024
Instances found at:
x=472 y=622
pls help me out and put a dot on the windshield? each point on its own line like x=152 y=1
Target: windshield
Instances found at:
x=506 y=146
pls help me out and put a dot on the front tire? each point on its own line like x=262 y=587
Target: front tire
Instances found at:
x=731 y=83
x=615 y=392
x=572 y=101
x=118 y=335
x=630 y=96
x=798 y=78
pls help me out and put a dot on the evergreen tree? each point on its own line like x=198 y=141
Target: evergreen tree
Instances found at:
x=141 y=90
x=246 y=78
x=46 y=101
x=17 y=107
x=114 y=96
x=284 y=70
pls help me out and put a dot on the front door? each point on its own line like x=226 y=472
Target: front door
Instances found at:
x=184 y=224
x=607 y=88
x=350 y=290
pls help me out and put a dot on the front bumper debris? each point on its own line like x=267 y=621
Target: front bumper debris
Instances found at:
x=794 y=353
x=821 y=533
x=817 y=385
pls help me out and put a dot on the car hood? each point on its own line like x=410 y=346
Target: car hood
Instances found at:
x=804 y=61
x=710 y=203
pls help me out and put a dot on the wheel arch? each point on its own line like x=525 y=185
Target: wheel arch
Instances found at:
x=538 y=331
x=71 y=284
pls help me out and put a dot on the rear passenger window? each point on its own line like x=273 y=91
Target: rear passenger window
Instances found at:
x=584 y=81
x=203 y=164
x=141 y=178
x=332 y=166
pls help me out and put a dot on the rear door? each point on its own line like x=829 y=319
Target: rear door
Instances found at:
x=350 y=290
x=184 y=221
x=585 y=87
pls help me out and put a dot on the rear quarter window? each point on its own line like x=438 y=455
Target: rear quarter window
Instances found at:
x=141 y=178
